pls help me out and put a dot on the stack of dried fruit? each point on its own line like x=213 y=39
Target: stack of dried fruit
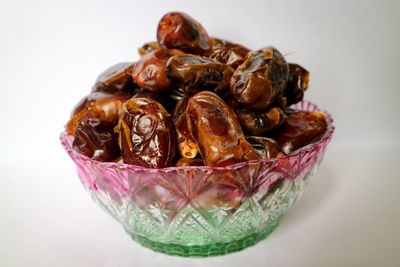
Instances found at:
x=194 y=100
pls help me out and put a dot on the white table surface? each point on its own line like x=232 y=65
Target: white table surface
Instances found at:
x=349 y=216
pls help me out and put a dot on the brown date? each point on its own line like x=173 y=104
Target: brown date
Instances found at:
x=96 y=139
x=146 y=134
x=177 y=94
x=226 y=52
x=149 y=71
x=281 y=103
x=179 y=30
x=103 y=105
x=261 y=79
x=296 y=84
x=232 y=103
x=115 y=78
x=184 y=162
x=191 y=71
x=300 y=129
x=186 y=145
x=149 y=47
x=160 y=97
x=259 y=123
x=217 y=132
x=265 y=147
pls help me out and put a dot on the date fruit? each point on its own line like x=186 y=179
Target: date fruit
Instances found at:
x=265 y=147
x=96 y=139
x=184 y=162
x=261 y=79
x=226 y=52
x=149 y=47
x=296 y=84
x=102 y=105
x=179 y=30
x=115 y=78
x=300 y=129
x=177 y=94
x=160 y=97
x=217 y=132
x=191 y=71
x=260 y=123
x=149 y=71
x=146 y=134
x=216 y=102
x=186 y=145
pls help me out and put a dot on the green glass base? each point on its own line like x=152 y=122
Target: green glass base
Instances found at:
x=207 y=250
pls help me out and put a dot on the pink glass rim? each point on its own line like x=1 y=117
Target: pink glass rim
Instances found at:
x=303 y=105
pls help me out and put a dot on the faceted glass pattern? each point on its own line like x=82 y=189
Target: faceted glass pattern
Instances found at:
x=201 y=211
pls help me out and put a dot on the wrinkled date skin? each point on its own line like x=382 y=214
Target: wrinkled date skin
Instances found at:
x=96 y=139
x=265 y=147
x=261 y=79
x=296 y=84
x=191 y=71
x=115 y=78
x=300 y=129
x=102 y=105
x=149 y=71
x=179 y=30
x=149 y=47
x=214 y=127
x=146 y=135
x=260 y=123
x=226 y=52
x=186 y=145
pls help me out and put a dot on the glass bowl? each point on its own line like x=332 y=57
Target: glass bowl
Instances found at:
x=201 y=211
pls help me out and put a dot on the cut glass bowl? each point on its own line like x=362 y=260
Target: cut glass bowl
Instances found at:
x=201 y=211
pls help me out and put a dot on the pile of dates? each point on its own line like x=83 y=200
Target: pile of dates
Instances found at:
x=194 y=100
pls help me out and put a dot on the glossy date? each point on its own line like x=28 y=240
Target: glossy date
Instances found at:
x=226 y=52
x=115 y=78
x=146 y=134
x=149 y=47
x=179 y=30
x=149 y=71
x=102 y=105
x=186 y=145
x=260 y=123
x=296 y=84
x=214 y=127
x=261 y=79
x=265 y=147
x=301 y=128
x=185 y=162
x=96 y=139
x=191 y=71
x=160 y=97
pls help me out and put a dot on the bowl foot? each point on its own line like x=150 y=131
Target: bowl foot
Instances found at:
x=207 y=250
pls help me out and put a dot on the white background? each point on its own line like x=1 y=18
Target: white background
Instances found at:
x=52 y=51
